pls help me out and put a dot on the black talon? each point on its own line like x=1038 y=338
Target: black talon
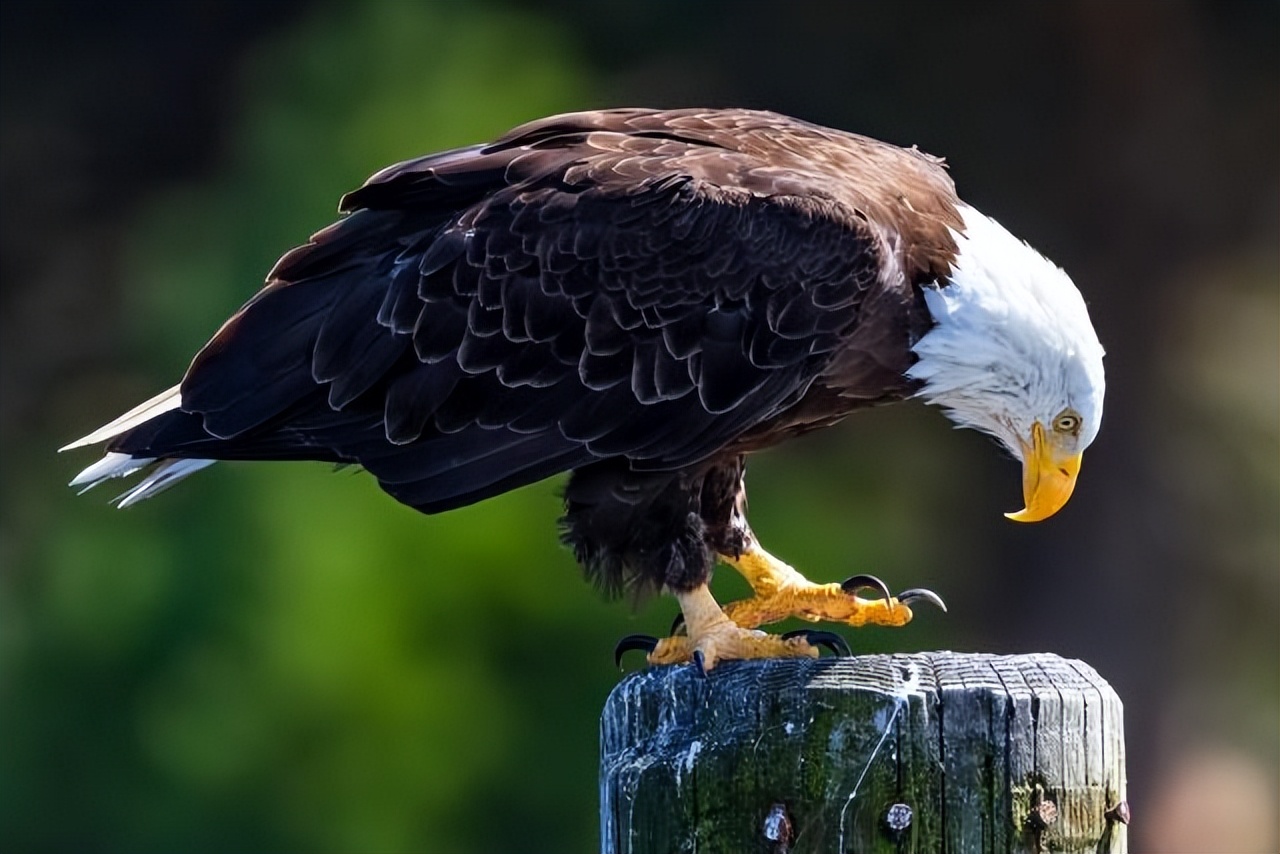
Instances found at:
x=813 y=637
x=678 y=623
x=854 y=583
x=908 y=596
x=630 y=642
x=699 y=662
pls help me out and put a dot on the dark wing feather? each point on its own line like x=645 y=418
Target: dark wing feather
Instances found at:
x=630 y=284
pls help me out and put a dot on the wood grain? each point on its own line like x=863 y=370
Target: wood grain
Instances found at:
x=983 y=753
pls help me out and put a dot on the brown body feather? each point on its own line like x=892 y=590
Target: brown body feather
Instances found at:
x=640 y=296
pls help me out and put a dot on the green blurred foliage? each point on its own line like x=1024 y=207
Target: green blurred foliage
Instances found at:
x=283 y=657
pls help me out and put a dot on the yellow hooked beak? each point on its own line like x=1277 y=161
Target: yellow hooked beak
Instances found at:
x=1048 y=477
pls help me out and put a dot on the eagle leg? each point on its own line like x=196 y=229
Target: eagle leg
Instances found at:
x=781 y=592
x=711 y=637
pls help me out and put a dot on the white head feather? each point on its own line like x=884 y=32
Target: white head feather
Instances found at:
x=1012 y=343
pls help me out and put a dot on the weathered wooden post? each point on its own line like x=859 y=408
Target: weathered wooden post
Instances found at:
x=929 y=753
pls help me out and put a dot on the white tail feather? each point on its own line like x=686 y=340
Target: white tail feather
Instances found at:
x=112 y=465
x=164 y=475
x=163 y=402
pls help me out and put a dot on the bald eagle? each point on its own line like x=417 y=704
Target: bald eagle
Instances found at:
x=641 y=298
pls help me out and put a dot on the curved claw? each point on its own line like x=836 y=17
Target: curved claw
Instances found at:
x=630 y=642
x=699 y=662
x=831 y=640
x=906 y=597
x=854 y=583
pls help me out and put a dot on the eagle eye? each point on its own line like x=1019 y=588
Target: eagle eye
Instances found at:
x=1067 y=422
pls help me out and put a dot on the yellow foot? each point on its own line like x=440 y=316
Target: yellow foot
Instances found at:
x=712 y=637
x=727 y=643
x=782 y=592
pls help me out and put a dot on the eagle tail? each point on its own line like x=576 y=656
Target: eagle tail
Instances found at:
x=162 y=472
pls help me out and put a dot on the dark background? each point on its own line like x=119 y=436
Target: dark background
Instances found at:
x=276 y=657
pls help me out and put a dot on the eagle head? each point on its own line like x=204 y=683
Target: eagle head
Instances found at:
x=1012 y=353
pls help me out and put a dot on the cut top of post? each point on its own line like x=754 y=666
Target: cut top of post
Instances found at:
x=929 y=752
